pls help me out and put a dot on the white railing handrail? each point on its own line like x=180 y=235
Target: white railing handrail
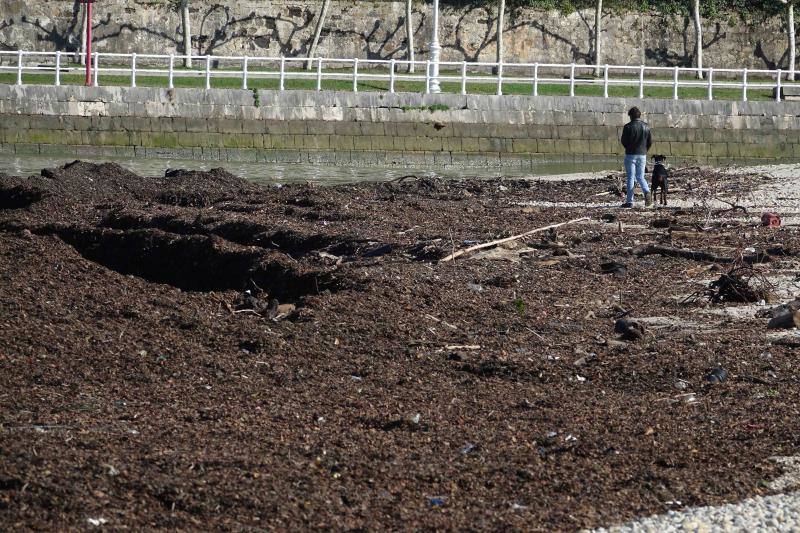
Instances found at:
x=357 y=71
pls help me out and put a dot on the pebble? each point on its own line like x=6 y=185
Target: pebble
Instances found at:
x=762 y=513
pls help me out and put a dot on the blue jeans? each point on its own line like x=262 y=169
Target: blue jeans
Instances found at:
x=634 y=167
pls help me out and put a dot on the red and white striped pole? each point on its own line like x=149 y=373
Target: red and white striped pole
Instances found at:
x=88 y=41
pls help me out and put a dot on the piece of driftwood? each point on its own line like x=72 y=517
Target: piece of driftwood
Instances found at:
x=510 y=239
x=695 y=255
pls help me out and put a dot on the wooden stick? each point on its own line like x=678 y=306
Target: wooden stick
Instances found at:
x=509 y=239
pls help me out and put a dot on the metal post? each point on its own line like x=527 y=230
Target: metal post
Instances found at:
x=133 y=70
x=208 y=72
x=463 y=77
x=428 y=77
x=744 y=85
x=172 y=71
x=605 y=82
x=536 y=79
x=89 y=44
x=500 y=79
x=710 y=83
x=778 y=86
x=58 y=68
x=391 y=75
x=282 y=75
x=355 y=75
x=641 y=82
x=19 y=67
x=675 y=82
x=319 y=74
x=435 y=49
x=572 y=79
x=244 y=72
x=96 y=82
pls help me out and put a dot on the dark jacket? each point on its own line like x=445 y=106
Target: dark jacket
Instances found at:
x=636 y=137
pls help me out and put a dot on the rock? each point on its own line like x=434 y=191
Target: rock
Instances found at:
x=718 y=375
x=630 y=330
x=618 y=270
x=770 y=220
x=786 y=320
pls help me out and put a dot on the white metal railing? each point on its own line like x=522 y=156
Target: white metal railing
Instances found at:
x=355 y=73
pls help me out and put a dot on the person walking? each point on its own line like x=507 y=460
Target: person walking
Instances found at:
x=637 y=140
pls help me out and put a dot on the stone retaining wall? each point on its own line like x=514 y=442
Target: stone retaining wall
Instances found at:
x=370 y=29
x=380 y=128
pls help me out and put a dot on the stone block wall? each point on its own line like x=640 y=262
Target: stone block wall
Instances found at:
x=371 y=29
x=380 y=128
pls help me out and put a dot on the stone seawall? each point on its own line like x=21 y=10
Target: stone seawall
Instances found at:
x=379 y=128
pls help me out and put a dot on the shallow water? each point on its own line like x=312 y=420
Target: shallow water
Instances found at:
x=24 y=165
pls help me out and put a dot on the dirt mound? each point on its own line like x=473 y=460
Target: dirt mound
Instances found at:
x=190 y=188
x=17 y=193
x=92 y=182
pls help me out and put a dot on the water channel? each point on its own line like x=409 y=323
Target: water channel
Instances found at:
x=272 y=173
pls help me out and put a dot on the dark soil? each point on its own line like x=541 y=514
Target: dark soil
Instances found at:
x=387 y=390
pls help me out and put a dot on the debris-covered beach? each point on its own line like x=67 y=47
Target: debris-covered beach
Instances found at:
x=197 y=351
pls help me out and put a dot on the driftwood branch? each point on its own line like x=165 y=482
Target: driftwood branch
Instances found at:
x=509 y=239
x=696 y=255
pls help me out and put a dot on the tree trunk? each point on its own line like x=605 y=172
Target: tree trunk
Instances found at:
x=792 y=44
x=82 y=33
x=501 y=15
x=698 y=31
x=410 y=36
x=186 y=22
x=598 y=55
x=317 y=32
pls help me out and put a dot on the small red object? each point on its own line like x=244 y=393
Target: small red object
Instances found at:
x=770 y=220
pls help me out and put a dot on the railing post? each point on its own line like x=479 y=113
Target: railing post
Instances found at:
x=675 y=83
x=355 y=75
x=58 y=68
x=710 y=83
x=171 y=81
x=391 y=75
x=744 y=85
x=19 y=67
x=778 y=86
x=605 y=82
x=133 y=69
x=463 y=77
x=572 y=79
x=208 y=72
x=500 y=79
x=245 y=59
x=535 y=91
x=319 y=74
x=641 y=82
x=282 y=75
x=428 y=77
x=96 y=81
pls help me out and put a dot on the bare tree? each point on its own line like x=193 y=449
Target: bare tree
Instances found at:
x=186 y=22
x=791 y=33
x=598 y=16
x=317 y=32
x=698 y=31
x=410 y=36
x=501 y=13
x=82 y=32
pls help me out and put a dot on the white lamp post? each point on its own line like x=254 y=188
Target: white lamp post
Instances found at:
x=435 y=49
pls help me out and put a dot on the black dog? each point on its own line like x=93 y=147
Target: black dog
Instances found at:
x=660 y=179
